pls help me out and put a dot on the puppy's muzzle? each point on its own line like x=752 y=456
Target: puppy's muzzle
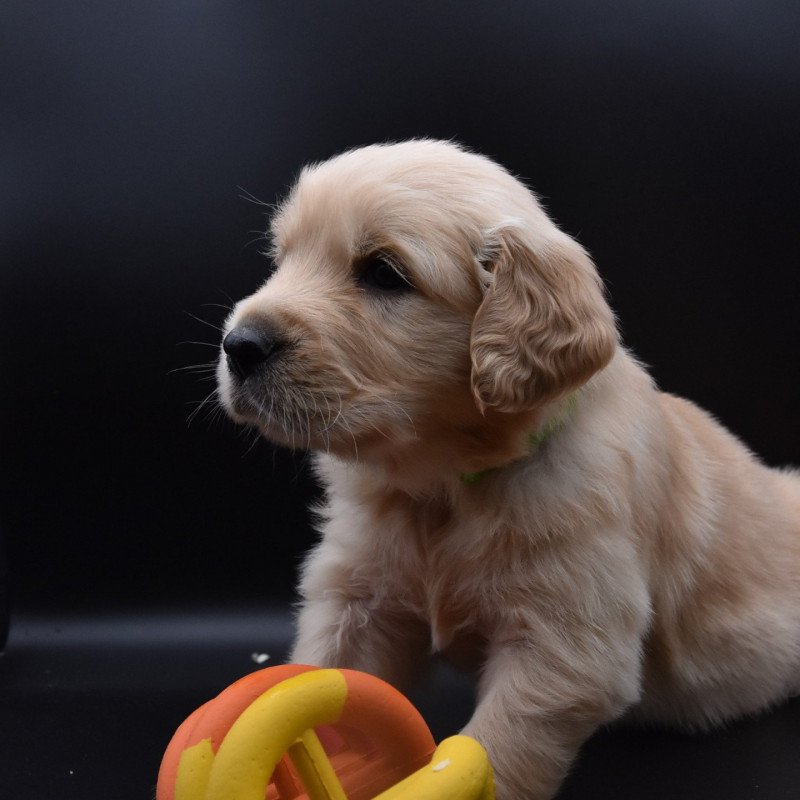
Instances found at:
x=248 y=348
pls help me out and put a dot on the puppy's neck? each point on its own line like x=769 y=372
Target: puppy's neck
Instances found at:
x=448 y=455
x=549 y=422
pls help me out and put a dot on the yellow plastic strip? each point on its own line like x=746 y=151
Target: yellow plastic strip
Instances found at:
x=194 y=768
x=311 y=761
x=268 y=728
x=459 y=770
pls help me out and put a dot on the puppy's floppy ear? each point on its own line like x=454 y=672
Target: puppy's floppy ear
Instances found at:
x=544 y=326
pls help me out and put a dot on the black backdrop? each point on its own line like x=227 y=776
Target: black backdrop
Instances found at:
x=664 y=135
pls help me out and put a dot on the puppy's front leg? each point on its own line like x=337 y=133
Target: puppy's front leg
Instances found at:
x=536 y=709
x=345 y=623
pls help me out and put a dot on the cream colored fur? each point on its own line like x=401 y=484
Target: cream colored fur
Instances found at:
x=641 y=560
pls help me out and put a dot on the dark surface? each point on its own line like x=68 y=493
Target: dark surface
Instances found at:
x=90 y=703
x=663 y=135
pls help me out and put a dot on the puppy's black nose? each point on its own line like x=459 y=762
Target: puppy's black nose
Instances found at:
x=246 y=348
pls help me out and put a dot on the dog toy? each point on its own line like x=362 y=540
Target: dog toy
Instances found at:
x=295 y=732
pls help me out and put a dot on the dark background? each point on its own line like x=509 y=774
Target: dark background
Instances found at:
x=663 y=135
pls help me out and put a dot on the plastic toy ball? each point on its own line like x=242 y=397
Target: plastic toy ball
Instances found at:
x=300 y=733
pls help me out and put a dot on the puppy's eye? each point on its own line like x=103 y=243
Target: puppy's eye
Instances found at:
x=378 y=272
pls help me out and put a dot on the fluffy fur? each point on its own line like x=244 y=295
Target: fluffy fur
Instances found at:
x=640 y=559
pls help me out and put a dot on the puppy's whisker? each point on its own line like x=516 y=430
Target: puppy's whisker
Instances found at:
x=216 y=415
x=332 y=423
x=201 y=368
x=256 y=437
x=231 y=301
x=203 y=321
x=251 y=198
x=260 y=238
x=215 y=345
x=210 y=397
x=197 y=403
x=324 y=422
x=228 y=308
x=308 y=432
x=352 y=436
x=315 y=415
x=287 y=426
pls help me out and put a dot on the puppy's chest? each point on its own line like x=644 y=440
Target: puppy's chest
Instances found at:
x=440 y=576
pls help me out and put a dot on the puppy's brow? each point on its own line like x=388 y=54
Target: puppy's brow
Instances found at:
x=383 y=253
x=368 y=245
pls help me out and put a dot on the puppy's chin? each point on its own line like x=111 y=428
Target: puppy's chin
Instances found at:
x=295 y=417
x=313 y=434
x=266 y=413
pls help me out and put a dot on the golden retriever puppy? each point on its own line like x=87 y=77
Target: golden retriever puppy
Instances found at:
x=504 y=483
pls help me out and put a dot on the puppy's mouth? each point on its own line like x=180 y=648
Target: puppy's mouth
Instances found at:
x=263 y=399
x=324 y=414
x=249 y=374
x=274 y=398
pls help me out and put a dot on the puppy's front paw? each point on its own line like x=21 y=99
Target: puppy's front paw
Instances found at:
x=522 y=770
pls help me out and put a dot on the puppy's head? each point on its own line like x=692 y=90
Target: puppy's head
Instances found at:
x=418 y=288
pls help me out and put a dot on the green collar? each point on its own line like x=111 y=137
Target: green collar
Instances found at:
x=535 y=440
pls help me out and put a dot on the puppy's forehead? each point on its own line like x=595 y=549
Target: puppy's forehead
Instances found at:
x=428 y=202
x=343 y=217
x=424 y=191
